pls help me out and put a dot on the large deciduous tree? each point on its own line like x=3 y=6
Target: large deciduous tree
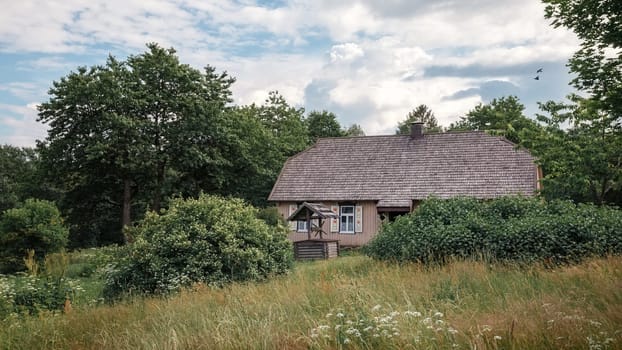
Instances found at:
x=503 y=116
x=323 y=124
x=127 y=133
x=286 y=123
x=18 y=167
x=598 y=63
x=582 y=149
x=580 y=152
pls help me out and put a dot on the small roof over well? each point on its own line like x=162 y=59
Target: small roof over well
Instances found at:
x=398 y=168
x=317 y=211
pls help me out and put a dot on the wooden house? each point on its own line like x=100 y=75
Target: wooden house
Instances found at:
x=368 y=179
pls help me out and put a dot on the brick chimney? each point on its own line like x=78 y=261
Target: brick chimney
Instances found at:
x=416 y=130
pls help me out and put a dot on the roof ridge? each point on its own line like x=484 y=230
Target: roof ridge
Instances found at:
x=405 y=135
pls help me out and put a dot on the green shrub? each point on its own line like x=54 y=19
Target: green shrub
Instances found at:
x=514 y=229
x=38 y=226
x=208 y=240
x=271 y=216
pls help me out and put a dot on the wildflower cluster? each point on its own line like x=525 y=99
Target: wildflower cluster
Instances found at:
x=596 y=337
x=375 y=327
x=31 y=294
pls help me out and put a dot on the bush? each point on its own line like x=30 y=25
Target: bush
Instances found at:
x=513 y=229
x=208 y=240
x=38 y=226
x=271 y=216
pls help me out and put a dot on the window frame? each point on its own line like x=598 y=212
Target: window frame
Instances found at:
x=301 y=226
x=347 y=215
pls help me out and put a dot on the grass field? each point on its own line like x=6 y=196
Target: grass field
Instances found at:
x=355 y=302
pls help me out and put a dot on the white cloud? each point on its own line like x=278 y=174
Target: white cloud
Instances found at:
x=23 y=90
x=345 y=52
x=22 y=121
x=370 y=55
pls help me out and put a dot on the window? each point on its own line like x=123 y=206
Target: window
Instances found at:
x=301 y=226
x=346 y=219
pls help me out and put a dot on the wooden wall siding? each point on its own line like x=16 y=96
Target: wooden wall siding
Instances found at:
x=314 y=250
x=371 y=223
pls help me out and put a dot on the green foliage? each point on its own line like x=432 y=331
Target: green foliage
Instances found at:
x=513 y=229
x=35 y=292
x=271 y=216
x=580 y=152
x=598 y=63
x=252 y=151
x=208 y=240
x=18 y=170
x=354 y=130
x=129 y=134
x=286 y=123
x=503 y=116
x=420 y=114
x=38 y=226
x=323 y=124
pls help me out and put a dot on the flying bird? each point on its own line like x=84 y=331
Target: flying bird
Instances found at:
x=537 y=77
x=539 y=70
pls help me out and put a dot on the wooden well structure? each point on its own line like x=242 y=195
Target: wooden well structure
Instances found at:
x=315 y=246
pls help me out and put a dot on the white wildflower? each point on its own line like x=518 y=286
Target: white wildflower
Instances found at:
x=340 y=315
x=438 y=314
x=497 y=337
x=412 y=313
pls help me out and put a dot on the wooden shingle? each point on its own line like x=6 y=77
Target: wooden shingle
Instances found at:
x=398 y=168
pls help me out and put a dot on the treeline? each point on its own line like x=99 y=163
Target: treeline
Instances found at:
x=128 y=136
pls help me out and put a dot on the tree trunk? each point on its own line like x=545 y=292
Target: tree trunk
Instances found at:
x=157 y=196
x=126 y=218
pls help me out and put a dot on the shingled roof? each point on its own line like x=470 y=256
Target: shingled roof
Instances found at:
x=397 y=168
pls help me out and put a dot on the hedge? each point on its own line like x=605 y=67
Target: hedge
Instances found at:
x=507 y=229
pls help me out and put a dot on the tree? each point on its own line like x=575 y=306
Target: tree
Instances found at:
x=581 y=150
x=127 y=133
x=286 y=123
x=38 y=226
x=503 y=116
x=598 y=63
x=18 y=167
x=420 y=114
x=253 y=152
x=322 y=124
x=354 y=130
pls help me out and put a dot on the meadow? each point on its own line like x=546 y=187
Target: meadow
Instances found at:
x=353 y=302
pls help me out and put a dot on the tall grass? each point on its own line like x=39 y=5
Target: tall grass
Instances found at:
x=466 y=305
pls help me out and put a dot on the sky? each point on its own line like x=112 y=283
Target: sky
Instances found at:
x=368 y=61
